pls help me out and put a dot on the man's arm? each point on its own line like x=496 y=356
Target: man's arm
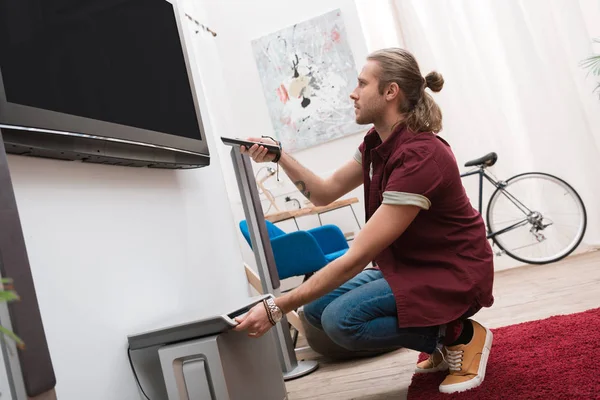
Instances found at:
x=316 y=189
x=382 y=229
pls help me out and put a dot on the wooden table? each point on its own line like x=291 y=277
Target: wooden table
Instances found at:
x=285 y=215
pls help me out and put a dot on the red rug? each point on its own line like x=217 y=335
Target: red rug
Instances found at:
x=554 y=358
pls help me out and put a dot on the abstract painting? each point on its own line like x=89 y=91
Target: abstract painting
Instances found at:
x=308 y=73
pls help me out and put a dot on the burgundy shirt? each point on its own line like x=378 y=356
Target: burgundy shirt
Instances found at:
x=442 y=265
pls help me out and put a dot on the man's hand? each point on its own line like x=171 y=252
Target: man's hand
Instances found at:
x=256 y=321
x=257 y=152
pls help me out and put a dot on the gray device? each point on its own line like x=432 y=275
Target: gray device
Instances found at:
x=206 y=359
x=30 y=372
x=265 y=262
x=212 y=325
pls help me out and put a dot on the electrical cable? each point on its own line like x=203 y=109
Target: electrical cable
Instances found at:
x=135 y=373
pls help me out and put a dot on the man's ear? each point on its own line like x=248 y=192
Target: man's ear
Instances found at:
x=392 y=92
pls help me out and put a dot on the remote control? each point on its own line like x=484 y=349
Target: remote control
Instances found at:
x=272 y=148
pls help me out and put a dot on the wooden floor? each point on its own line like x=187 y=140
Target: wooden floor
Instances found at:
x=522 y=294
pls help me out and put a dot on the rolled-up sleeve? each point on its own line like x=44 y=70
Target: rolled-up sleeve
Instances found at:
x=358 y=156
x=415 y=180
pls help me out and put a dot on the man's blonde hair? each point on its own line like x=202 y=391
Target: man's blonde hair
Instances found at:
x=422 y=114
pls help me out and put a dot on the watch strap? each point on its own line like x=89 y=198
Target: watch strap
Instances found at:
x=273 y=312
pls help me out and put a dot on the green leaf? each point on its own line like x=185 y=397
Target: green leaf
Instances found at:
x=593 y=64
x=8 y=295
x=7 y=332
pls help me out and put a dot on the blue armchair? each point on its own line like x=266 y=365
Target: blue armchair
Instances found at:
x=302 y=252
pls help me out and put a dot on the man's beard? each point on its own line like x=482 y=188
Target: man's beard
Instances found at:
x=365 y=117
x=371 y=112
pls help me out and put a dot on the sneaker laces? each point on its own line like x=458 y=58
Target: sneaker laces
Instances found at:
x=454 y=359
x=432 y=356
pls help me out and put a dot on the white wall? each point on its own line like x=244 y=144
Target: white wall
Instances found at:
x=115 y=250
x=236 y=94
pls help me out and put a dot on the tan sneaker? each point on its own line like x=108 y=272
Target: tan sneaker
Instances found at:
x=436 y=362
x=467 y=362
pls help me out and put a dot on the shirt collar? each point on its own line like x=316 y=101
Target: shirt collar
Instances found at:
x=384 y=149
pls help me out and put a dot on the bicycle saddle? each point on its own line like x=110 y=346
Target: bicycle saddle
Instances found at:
x=489 y=160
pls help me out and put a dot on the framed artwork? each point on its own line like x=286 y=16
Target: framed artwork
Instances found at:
x=307 y=73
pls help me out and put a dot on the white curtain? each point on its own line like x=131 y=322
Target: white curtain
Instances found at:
x=514 y=84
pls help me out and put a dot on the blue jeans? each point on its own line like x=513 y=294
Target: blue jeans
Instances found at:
x=361 y=315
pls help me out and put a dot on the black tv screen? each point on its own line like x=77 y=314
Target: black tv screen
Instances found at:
x=98 y=80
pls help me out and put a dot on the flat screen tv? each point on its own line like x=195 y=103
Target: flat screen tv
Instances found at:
x=103 y=81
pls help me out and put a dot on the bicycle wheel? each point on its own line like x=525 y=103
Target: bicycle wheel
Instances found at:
x=536 y=218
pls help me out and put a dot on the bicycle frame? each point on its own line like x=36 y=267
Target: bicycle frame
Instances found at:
x=497 y=184
x=481 y=172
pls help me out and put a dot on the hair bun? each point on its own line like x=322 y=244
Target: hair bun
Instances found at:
x=434 y=81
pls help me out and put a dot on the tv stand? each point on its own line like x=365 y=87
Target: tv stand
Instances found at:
x=291 y=367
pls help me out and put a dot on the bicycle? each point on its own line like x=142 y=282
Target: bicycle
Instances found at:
x=535 y=223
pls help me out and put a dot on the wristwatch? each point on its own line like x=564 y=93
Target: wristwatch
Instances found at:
x=274 y=312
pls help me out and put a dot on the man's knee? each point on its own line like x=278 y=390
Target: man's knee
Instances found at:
x=312 y=314
x=340 y=330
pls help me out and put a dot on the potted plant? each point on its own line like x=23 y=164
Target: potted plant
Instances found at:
x=8 y=294
x=593 y=64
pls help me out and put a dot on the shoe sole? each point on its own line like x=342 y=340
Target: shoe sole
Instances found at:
x=478 y=380
x=443 y=366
